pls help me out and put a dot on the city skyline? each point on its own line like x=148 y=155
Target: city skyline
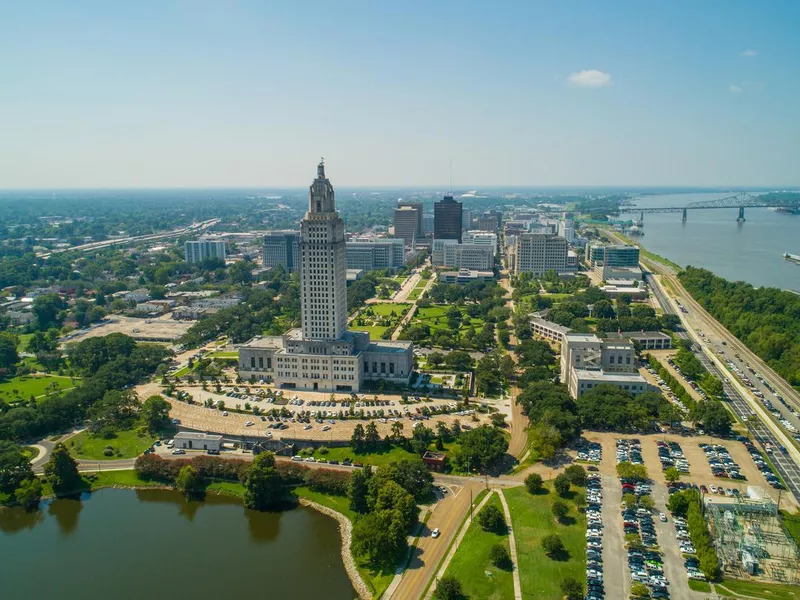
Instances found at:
x=528 y=95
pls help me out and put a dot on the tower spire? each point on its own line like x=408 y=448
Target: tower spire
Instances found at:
x=321 y=168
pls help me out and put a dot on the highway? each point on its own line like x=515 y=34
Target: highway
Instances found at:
x=784 y=465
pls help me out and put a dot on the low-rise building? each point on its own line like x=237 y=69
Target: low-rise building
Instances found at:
x=190 y=440
x=588 y=361
x=614 y=291
x=435 y=461
x=465 y=276
x=548 y=330
x=646 y=340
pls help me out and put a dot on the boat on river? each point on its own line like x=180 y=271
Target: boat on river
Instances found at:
x=792 y=258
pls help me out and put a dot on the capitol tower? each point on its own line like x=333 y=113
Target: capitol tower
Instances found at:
x=323 y=264
x=323 y=355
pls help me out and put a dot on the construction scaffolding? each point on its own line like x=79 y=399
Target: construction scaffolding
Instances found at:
x=751 y=540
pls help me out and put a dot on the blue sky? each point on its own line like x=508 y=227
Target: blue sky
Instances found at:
x=194 y=94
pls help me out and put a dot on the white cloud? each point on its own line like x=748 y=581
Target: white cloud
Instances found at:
x=750 y=53
x=735 y=89
x=590 y=78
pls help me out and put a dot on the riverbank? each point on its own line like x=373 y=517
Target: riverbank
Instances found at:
x=128 y=480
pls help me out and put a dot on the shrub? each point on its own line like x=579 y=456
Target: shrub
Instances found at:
x=448 y=588
x=490 y=518
x=560 y=509
x=576 y=474
x=561 y=485
x=572 y=588
x=534 y=483
x=552 y=545
x=500 y=557
x=108 y=451
x=328 y=481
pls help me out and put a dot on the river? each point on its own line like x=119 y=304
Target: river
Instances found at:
x=152 y=543
x=751 y=251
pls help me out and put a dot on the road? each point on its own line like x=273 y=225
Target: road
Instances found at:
x=764 y=429
x=447 y=516
x=616 y=578
x=519 y=422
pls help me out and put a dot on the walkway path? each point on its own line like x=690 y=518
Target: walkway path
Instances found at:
x=512 y=542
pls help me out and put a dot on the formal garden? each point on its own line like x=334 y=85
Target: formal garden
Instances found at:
x=380 y=319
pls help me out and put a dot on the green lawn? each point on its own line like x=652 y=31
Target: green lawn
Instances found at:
x=221 y=354
x=471 y=563
x=532 y=520
x=128 y=443
x=33 y=385
x=385 y=309
x=375 y=331
x=414 y=294
x=376 y=459
x=700 y=586
x=431 y=314
x=792 y=524
x=752 y=589
x=23 y=339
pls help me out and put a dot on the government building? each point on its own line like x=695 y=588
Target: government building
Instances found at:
x=323 y=355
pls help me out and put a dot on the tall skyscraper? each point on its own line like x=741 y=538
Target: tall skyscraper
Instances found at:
x=538 y=253
x=282 y=248
x=418 y=207
x=447 y=219
x=323 y=264
x=407 y=222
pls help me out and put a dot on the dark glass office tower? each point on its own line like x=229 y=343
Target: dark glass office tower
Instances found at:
x=447 y=219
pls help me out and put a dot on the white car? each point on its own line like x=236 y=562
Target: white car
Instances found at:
x=663 y=517
x=435 y=533
x=297 y=458
x=248 y=423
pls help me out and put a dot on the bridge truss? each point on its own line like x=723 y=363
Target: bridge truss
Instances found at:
x=741 y=201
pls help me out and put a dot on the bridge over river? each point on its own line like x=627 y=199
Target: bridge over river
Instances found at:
x=740 y=201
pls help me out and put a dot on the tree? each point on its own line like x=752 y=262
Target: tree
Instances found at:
x=647 y=502
x=491 y=518
x=14 y=466
x=448 y=588
x=379 y=538
x=411 y=474
x=434 y=359
x=480 y=447
x=499 y=556
x=263 y=484
x=29 y=493
x=559 y=509
x=397 y=430
x=47 y=309
x=572 y=588
x=576 y=474
x=155 y=413
x=188 y=480
x=62 y=470
x=371 y=436
x=498 y=419
x=357 y=439
x=357 y=489
x=639 y=590
x=534 y=483
x=678 y=504
x=552 y=545
x=8 y=355
x=629 y=500
x=561 y=485
x=671 y=474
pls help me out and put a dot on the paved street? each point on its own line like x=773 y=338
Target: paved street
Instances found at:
x=616 y=578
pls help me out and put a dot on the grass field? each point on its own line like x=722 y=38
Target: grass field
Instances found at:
x=32 y=385
x=792 y=524
x=385 y=309
x=700 y=586
x=471 y=563
x=414 y=294
x=376 y=459
x=752 y=589
x=434 y=317
x=220 y=354
x=127 y=443
x=532 y=519
x=375 y=331
x=22 y=341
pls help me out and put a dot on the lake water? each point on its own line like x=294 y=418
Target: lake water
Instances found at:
x=751 y=251
x=123 y=544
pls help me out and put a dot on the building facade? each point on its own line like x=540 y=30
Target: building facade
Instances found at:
x=323 y=355
x=449 y=253
x=466 y=219
x=465 y=276
x=621 y=255
x=282 y=248
x=417 y=206
x=447 y=219
x=372 y=254
x=537 y=253
x=481 y=237
x=199 y=250
x=588 y=361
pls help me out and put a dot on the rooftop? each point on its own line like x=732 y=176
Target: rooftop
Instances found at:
x=638 y=335
x=196 y=435
x=270 y=341
x=601 y=376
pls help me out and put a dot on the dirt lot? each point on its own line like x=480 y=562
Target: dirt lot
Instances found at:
x=157 y=330
x=699 y=471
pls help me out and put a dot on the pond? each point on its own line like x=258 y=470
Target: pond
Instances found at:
x=146 y=543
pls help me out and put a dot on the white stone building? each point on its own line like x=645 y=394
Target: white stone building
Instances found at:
x=538 y=253
x=323 y=354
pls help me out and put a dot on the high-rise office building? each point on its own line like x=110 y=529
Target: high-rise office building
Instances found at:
x=447 y=219
x=490 y=220
x=199 y=250
x=466 y=219
x=416 y=206
x=408 y=223
x=282 y=248
x=538 y=253
x=323 y=355
x=427 y=223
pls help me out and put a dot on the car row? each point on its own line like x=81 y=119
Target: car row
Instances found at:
x=668 y=392
x=671 y=455
x=589 y=451
x=721 y=463
x=595 y=589
x=691 y=562
x=762 y=465
x=629 y=451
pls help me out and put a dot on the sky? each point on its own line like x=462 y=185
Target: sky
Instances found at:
x=160 y=93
